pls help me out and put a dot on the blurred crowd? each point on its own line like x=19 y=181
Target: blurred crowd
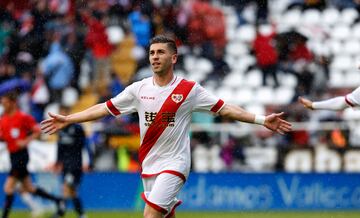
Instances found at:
x=66 y=48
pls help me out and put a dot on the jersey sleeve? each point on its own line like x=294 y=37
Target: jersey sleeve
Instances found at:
x=30 y=122
x=205 y=101
x=353 y=99
x=123 y=103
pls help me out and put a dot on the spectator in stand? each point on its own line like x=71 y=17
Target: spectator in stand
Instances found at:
x=58 y=69
x=97 y=41
x=266 y=54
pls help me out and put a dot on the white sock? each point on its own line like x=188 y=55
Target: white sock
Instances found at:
x=29 y=201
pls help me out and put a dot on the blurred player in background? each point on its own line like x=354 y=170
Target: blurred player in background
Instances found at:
x=337 y=103
x=17 y=129
x=165 y=103
x=71 y=142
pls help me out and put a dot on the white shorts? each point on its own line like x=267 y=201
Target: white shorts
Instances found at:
x=160 y=192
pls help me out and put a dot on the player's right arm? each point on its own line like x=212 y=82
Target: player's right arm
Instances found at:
x=57 y=121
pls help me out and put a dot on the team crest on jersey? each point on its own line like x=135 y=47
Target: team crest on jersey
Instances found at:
x=177 y=97
x=15 y=133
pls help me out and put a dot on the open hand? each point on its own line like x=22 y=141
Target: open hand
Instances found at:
x=53 y=124
x=307 y=103
x=275 y=123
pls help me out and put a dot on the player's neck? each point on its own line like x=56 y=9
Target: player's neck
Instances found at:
x=163 y=80
x=11 y=111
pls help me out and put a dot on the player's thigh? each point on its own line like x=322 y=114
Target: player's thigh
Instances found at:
x=10 y=184
x=27 y=184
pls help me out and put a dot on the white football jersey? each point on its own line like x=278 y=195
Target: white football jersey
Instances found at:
x=353 y=99
x=166 y=146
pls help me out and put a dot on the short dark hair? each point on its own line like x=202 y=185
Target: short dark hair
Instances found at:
x=164 y=39
x=11 y=95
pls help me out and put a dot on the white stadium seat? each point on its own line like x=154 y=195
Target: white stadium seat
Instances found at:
x=342 y=63
x=330 y=17
x=341 y=32
x=264 y=95
x=236 y=49
x=337 y=79
x=233 y=80
x=352 y=47
x=292 y=18
x=253 y=78
x=283 y=95
x=246 y=33
x=311 y=17
x=348 y=16
x=244 y=96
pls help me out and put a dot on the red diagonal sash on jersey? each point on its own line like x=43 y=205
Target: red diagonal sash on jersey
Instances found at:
x=157 y=127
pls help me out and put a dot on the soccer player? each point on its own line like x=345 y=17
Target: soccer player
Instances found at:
x=71 y=142
x=336 y=104
x=164 y=103
x=17 y=129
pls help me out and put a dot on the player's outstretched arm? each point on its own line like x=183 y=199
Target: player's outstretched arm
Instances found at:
x=272 y=121
x=57 y=122
x=335 y=104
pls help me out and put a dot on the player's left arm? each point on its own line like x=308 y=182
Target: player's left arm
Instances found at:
x=35 y=132
x=272 y=121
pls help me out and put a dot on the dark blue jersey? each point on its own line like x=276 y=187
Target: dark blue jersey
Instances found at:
x=71 y=141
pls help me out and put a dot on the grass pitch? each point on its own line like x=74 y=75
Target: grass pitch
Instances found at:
x=293 y=214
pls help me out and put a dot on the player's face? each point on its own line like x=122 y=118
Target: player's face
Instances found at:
x=7 y=104
x=162 y=58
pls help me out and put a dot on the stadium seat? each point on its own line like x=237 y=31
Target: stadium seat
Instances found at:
x=246 y=33
x=70 y=96
x=236 y=49
x=341 y=32
x=352 y=47
x=355 y=33
x=225 y=93
x=203 y=66
x=233 y=80
x=342 y=63
x=292 y=18
x=255 y=108
x=287 y=80
x=253 y=78
x=330 y=16
x=311 y=17
x=348 y=16
x=264 y=95
x=243 y=62
x=352 y=78
x=189 y=63
x=337 y=79
x=115 y=34
x=244 y=96
x=283 y=95
x=336 y=46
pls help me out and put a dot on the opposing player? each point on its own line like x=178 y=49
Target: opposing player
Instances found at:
x=17 y=129
x=336 y=104
x=164 y=103
x=71 y=141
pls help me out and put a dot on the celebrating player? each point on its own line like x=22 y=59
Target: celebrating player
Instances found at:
x=164 y=103
x=17 y=129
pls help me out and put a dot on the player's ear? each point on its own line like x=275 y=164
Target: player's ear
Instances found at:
x=174 y=58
